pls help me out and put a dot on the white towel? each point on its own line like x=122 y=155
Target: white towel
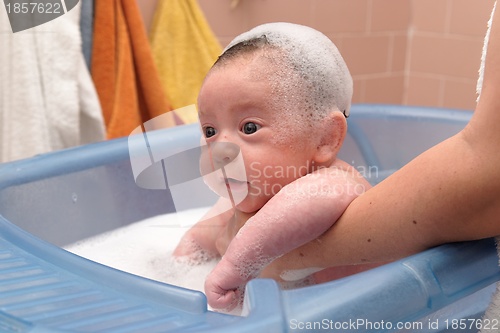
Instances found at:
x=493 y=311
x=47 y=98
x=483 y=56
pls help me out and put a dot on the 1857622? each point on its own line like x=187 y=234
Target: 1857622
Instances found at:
x=472 y=324
x=33 y=7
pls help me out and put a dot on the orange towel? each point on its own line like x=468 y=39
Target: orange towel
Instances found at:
x=123 y=69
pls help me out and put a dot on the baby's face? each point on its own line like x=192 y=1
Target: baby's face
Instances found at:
x=236 y=104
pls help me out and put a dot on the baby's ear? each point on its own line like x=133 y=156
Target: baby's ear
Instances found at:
x=333 y=129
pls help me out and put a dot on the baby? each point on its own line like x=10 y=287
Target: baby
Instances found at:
x=278 y=96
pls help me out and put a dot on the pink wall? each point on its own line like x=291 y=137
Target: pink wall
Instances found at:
x=445 y=50
x=417 y=52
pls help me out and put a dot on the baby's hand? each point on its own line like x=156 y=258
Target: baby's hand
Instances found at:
x=185 y=248
x=225 y=285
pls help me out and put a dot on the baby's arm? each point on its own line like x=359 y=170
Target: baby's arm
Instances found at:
x=199 y=242
x=319 y=199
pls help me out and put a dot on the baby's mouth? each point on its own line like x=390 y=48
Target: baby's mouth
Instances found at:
x=235 y=184
x=230 y=181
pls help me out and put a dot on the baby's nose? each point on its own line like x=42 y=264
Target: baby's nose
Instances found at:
x=224 y=153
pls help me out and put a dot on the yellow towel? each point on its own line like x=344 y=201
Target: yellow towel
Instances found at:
x=184 y=48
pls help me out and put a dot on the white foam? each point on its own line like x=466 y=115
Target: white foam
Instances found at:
x=299 y=274
x=314 y=56
x=145 y=248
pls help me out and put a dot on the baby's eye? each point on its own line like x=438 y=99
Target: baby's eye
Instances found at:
x=250 y=128
x=209 y=131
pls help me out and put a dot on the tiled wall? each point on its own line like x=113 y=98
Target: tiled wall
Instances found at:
x=445 y=50
x=417 y=52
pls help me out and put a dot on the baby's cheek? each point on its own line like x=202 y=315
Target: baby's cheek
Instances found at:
x=290 y=136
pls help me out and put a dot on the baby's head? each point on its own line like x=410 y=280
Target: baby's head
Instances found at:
x=280 y=92
x=307 y=65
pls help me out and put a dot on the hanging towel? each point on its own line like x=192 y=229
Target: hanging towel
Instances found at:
x=184 y=49
x=47 y=101
x=493 y=312
x=123 y=69
x=87 y=29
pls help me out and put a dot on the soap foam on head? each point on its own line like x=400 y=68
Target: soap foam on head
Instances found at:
x=314 y=57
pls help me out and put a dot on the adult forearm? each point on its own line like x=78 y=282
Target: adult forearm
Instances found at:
x=439 y=197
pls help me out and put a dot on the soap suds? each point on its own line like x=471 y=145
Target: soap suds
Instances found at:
x=313 y=56
x=145 y=248
x=299 y=274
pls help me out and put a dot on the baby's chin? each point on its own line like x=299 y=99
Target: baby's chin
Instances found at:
x=251 y=204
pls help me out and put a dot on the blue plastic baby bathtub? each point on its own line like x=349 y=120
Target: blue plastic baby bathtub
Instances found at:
x=55 y=199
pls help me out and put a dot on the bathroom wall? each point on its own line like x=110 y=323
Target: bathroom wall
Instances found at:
x=415 y=52
x=445 y=50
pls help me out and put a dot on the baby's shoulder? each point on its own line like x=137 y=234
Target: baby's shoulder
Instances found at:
x=343 y=168
x=343 y=172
